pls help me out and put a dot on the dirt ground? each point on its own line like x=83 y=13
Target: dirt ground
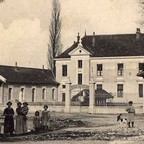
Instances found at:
x=85 y=128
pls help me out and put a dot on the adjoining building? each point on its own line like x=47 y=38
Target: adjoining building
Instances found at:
x=113 y=61
x=27 y=84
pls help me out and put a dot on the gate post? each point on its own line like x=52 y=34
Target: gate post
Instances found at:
x=68 y=97
x=91 y=96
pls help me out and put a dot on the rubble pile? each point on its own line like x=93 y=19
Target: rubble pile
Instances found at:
x=64 y=123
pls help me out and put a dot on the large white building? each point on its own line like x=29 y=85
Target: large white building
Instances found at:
x=113 y=61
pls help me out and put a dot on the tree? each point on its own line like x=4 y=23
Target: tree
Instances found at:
x=54 y=45
x=141 y=11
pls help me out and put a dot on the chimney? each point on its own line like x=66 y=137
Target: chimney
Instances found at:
x=138 y=33
x=78 y=38
x=15 y=64
x=93 y=39
x=42 y=66
x=85 y=33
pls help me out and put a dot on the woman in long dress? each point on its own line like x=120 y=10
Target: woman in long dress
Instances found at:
x=19 y=119
x=8 y=120
x=24 y=112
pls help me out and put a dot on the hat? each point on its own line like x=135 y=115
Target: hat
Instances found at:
x=9 y=103
x=25 y=103
x=130 y=102
x=46 y=106
x=19 y=103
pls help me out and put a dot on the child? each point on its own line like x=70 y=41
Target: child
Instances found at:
x=131 y=113
x=25 y=110
x=37 y=121
x=45 y=118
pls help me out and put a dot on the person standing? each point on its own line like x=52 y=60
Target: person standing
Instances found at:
x=131 y=114
x=8 y=120
x=37 y=121
x=45 y=117
x=24 y=112
x=19 y=119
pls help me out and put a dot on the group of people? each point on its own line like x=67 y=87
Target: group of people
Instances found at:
x=39 y=122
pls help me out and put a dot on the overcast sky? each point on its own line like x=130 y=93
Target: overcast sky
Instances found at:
x=24 y=25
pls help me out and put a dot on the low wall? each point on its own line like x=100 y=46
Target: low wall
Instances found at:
x=82 y=109
x=85 y=109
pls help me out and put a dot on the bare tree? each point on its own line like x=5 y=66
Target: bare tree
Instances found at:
x=141 y=12
x=54 y=45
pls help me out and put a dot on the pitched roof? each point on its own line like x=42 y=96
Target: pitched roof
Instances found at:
x=111 y=45
x=65 y=53
x=99 y=94
x=23 y=75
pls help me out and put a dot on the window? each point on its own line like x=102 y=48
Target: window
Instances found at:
x=63 y=86
x=79 y=63
x=120 y=69
x=64 y=70
x=10 y=94
x=99 y=86
x=99 y=70
x=141 y=67
x=43 y=93
x=140 y=90
x=79 y=78
x=53 y=94
x=33 y=94
x=63 y=97
x=120 y=90
x=22 y=94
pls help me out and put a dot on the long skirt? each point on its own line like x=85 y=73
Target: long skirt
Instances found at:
x=19 y=125
x=25 y=126
x=130 y=117
x=8 y=124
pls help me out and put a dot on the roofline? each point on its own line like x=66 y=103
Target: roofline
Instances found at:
x=117 y=57
x=111 y=34
x=36 y=84
x=60 y=59
x=78 y=47
x=97 y=58
x=24 y=67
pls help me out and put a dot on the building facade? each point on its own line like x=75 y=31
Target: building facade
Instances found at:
x=27 y=84
x=112 y=61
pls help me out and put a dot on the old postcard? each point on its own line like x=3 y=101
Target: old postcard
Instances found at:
x=71 y=71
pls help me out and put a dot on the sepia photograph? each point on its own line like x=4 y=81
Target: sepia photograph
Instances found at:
x=72 y=71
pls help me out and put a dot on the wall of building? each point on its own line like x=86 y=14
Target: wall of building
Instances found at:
x=110 y=78
x=72 y=71
x=28 y=93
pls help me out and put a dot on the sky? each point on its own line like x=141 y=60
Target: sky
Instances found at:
x=24 y=25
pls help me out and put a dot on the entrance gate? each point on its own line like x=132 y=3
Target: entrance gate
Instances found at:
x=70 y=87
